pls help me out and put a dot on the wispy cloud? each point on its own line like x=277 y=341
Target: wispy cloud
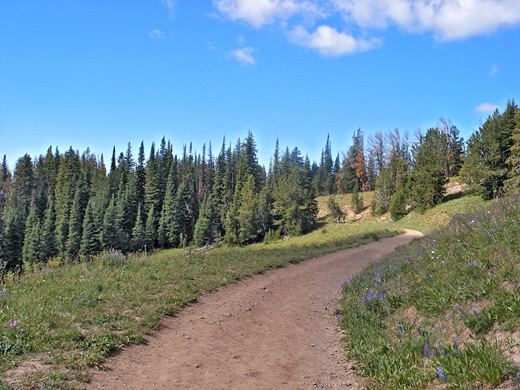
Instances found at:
x=170 y=4
x=244 y=56
x=261 y=12
x=330 y=42
x=156 y=34
x=494 y=70
x=487 y=108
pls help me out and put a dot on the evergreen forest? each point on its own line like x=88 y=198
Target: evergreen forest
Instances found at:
x=72 y=206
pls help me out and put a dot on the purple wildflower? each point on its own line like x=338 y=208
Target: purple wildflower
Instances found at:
x=441 y=375
x=474 y=311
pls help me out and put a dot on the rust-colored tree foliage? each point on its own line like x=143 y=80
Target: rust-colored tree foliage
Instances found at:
x=359 y=168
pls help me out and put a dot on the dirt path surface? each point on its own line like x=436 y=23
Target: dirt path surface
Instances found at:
x=271 y=331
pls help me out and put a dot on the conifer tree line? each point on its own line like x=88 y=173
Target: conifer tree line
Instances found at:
x=70 y=205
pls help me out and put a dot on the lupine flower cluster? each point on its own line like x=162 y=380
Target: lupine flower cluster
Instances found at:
x=441 y=374
x=116 y=255
x=402 y=329
x=14 y=325
x=430 y=352
x=371 y=295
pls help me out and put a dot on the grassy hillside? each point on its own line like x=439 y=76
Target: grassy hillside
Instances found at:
x=455 y=203
x=443 y=312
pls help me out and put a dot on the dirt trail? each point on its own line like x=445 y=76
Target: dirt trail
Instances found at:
x=272 y=331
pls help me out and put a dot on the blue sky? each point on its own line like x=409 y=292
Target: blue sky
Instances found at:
x=104 y=73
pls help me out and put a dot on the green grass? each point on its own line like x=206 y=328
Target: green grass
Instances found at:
x=450 y=301
x=440 y=215
x=71 y=317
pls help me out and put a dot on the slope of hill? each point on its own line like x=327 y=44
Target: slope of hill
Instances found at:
x=456 y=203
x=443 y=311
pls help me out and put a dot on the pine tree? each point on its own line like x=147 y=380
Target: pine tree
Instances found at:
x=265 y=204
x=397 y=205
x=232 y=223
x=327 y=180
x=428 y=178
x=14 y=233
x=113 y=175
x=5 y=184
x=206 y=223
x=139 y=232
x=360 y=170
x=150 y=229
x=166 y=222
x=76 y=220
x=90 y=243
x=23 y=182
x=32 y=245
x=513 y=182
x=334 y=208
x=276 y=161
x=48 y=233
x=247 y=219
x=488 y=149
x=356 y=201
x=294 y=209
x=109 y=237
x=140 y=174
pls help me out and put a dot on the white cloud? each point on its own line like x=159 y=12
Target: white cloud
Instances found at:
x=494 y=70
x=244 y=56
x=444 y=19
x=447 y=19
x=262 y=12
x=330 y=42
x=486 y=108
x=156 y=34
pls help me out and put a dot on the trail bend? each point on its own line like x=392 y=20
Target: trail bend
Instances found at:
x=276 y=330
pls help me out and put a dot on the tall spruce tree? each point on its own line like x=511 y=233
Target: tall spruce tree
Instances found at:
x=90 y=243
x=206 y=226
x=513 y=181
x=76 y=219
x=428 y=178
x=139 y=232
x=247 y=213
x=32 y=245
x=165 y=236
x=488 y=149
x=48 y=232
x=5 y=184
x=109 y=239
